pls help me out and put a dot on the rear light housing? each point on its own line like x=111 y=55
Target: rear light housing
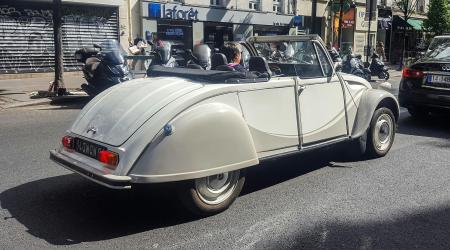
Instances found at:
x=67 y=142
x=109 y=158
x=412 y=73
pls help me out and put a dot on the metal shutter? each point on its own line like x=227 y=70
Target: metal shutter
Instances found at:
x=26 y=35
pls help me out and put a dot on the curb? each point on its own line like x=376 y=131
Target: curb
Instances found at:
x=44 y=101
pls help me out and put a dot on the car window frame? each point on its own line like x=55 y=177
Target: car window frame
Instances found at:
x=326 y=54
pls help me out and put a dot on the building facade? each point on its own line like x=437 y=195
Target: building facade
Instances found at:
x=26 y=27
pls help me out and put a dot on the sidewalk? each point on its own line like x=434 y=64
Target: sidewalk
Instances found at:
x=16 y=93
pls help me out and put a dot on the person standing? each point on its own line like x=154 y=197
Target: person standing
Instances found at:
x=380 y=51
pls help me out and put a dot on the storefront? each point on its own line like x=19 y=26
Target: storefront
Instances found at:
x=213 y=26
x=362 y=31
x=414 y=38
x=347 y=29
x=26 y=40
x=384 y=30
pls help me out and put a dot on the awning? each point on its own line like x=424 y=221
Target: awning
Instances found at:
x=412 y=24
x=415 y=23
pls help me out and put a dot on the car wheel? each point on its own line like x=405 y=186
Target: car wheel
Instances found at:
x=213 y=194
x=381 y=133
x=419 y=112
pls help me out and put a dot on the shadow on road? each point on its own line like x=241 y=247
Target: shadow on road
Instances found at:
x=68 y=209
x=435 y=126
x=422 y=229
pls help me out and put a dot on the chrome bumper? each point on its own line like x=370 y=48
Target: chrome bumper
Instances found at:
x=107 y=180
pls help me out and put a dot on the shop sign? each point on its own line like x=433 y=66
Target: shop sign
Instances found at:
x=362 y=22
x=178 y=12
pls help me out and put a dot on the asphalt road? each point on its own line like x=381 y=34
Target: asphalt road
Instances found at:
x=315 y=200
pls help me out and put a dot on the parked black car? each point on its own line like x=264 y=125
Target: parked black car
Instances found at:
x=425 y=85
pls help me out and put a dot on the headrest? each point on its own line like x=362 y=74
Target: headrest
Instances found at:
x=259 y=64
x=218 y=59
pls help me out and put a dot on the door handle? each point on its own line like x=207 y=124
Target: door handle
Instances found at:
x=300 y=89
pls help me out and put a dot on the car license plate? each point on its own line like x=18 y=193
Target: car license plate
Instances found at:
x=440 y=81
x=87 y=148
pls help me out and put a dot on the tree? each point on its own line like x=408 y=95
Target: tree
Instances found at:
x=407 y=8
x=438 y=17
x=58 y=83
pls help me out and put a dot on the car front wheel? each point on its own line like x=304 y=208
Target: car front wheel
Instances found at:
x=381 y=133
x=213 y=194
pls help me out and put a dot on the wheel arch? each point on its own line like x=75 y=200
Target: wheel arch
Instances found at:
x=206 y=139
x=372 y=100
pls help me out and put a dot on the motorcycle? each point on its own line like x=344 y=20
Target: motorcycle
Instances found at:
x=353 y=64
x=377 y=68
x=104 y=66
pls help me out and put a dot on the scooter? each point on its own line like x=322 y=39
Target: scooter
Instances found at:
x=104 y=66
x=353 y=64
x=377 y=68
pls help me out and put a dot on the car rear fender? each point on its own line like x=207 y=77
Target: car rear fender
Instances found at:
x=371 y=100
x=204 y=140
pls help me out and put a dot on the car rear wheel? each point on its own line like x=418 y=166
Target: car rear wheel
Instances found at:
x=381 y=133
x=213 y=194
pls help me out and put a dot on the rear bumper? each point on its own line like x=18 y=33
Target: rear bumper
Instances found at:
x=107 y=180
x=425 y=98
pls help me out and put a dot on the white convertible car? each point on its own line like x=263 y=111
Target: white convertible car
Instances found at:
x=202 y=128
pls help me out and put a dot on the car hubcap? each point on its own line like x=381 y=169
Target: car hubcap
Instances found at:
x=383 y=132
x=216 y=189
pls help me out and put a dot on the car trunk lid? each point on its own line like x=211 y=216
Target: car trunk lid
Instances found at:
x=118 y=114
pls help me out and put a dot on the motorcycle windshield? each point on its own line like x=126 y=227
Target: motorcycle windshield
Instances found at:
x=112 y=52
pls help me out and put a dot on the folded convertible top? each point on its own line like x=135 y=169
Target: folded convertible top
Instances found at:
x=213 y=76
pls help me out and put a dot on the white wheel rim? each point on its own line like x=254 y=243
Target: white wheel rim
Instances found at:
x=383 y=132
x=215 y=189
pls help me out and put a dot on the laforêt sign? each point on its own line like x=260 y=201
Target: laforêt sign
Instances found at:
x=179 y=12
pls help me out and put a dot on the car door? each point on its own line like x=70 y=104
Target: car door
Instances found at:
x=270 y=112
x=320 y=94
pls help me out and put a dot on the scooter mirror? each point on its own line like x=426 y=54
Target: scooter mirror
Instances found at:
x=97 y=46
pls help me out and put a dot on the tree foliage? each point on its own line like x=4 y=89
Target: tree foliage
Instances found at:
x=406 y=7
x=438 y=17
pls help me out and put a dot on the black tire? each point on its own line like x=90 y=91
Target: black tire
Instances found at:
x=419 y=113
x=192 y=199
x=383 y=121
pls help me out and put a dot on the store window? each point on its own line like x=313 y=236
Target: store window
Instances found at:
x=277 y=6
x=254 y=4
x=215 y=2
x=216 y=34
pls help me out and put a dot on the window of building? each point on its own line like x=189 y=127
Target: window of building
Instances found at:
x=215 y=2
x=421 y=6
x=254 y=4
x=277 y=6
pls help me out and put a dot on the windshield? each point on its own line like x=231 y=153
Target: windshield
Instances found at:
x=293 y=58
x=439 y=49
x=112 y=52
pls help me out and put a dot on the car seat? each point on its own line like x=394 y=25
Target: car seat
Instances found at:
x=260 y=65
x=218 y=59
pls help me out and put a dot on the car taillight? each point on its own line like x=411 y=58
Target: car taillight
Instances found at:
x=412 y=73
x=109 y=158
x=67 y=142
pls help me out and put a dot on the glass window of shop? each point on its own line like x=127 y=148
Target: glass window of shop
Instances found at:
x=347 y=35
x=179 y=33
x=216 y=34
x=265 y=30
